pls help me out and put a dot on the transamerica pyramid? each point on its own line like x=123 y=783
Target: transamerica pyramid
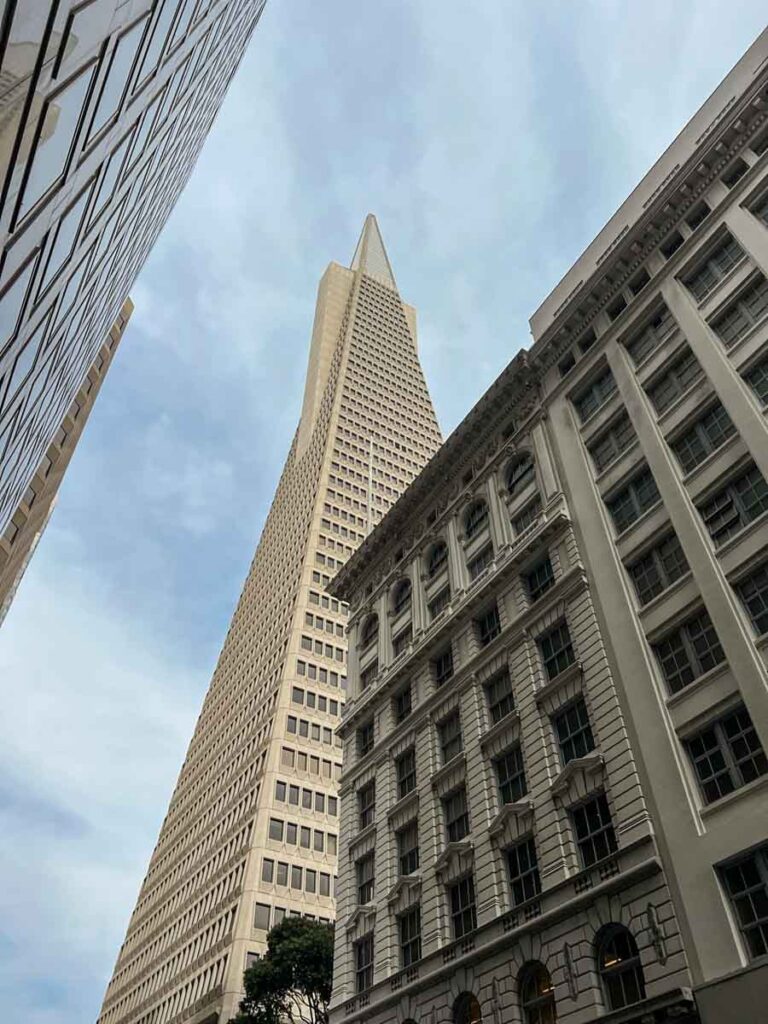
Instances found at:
x=251 y=832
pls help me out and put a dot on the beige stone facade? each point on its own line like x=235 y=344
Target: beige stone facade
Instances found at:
x=555 y=798
x=103 y=109
x=26 y=526
x=251 y=834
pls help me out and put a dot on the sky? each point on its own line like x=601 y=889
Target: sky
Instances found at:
x=492 y=141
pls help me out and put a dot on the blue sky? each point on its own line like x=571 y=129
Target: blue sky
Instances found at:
x=492 y=148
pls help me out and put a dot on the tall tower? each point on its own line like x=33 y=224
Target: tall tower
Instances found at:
x=251 y=833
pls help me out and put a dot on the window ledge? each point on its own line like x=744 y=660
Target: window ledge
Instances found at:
x=405 y=804
x=627 y=531
x=645 y=609
x=738 y=794
x=506 y=729
x=580 y=778
x=697 y=684
x=450 y=775
x=690 y=477
x=743 y=533
x=553 y=687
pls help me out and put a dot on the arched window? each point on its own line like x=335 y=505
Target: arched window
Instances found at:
x=618 y=962
x=370 y=632
x=466 y=1010
x=401 y=596
x=520 y=473
x=537 y=996
x=475 y=519
x=437 y=558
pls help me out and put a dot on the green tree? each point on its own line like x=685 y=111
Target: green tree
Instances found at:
x=291 y=984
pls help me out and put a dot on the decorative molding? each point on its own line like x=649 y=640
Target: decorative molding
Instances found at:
x=454 y=862
x=501 y=735
x=451 y=775
x=564 y=687
x=360 y=922
x=513 y=821
x=404 y=893
x=581 y=777
x=404 y=810
x=364 y=842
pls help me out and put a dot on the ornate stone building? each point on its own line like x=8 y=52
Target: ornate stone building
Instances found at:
x=104 y=106
x=26 y=525
x=554 y=799
x=252 y=829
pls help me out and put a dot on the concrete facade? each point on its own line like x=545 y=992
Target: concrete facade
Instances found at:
x=591 y=548
x=26 y=525
x=252 y=829
x=104 y=105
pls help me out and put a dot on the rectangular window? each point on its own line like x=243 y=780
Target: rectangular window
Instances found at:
x=365 y=870
x=657 y=331
x=364 y=964
x=368 y=675
x=736 y=505
x=703 y=438
x=461 y=899
x=757 y=378
x=439 y=603
x=291 y=833
x=443 y=666
x=658 y=568
x=727 y=754
x=753 y=591
x=480 y=562
x=711 y=271
x=366 y=802
x=595 y=837
x=488 y=625
x=409 y=926
x=689 y=651
x=476 y=519
x=403 y=703
x=633 y=500
x=556 y=649
x=523 y=872
x=747 y=310
x=282 y=873
x=527 y=517
x=366 y=738
x=401 y=641
x=297 y=875
x=449 y=734
x=405 y=768
x=675 y=381
x=573 y=730
x=510 y=772
x=261 y=917
x=746 y=882
x=276 y=829
x=607 y=447
x=408 y=848
x=596 y=395
x=539 y=579
x=501 y=699
x=267 y=870
x=456 y=815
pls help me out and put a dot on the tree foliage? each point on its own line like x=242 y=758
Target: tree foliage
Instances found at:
x=291 y=984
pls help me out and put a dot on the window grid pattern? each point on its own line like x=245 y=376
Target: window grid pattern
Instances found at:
x=746 y=311
x=409 y=926
x=736 y=505
x=633 y=500
x=596 y=395
x=595 y=836
x=408 y=848
x=703 y=438
x=501 y=699
x=539 y=579
x=574 y=731
x=655 y=333
x=449 y=734
x=523 y=867
x=675 y=381
x=621 y=973
x=718 y=264
x=658 y=568
x=753 y=591
x=757 y=378
x=556 y=650
x=689 y=651
x=488 y=626
x=619 y=436
x=405 y=767
x=510 y=772
x=461 y=898
x=456 y=815
x=746 y=882
x=727 y=755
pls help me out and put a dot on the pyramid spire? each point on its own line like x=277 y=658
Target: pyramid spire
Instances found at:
x=371 y=256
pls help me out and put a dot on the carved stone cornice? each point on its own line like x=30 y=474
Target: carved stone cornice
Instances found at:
x=579 y=779
x=404 y=810
x=513 y=821
x=360 y=922
x=451 y=775
x=455 y=861
x=564 y=687
x=404 y=893
x=501 y=735
x=363 y=842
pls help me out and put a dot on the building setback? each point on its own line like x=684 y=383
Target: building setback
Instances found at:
x=554 y=801
x=104 y=106
x=26 y=525
x=252 y=829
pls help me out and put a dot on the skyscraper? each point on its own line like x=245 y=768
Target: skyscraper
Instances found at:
x=104 y=106
x=251 y=833
x=554 y=806
x=25 y=527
